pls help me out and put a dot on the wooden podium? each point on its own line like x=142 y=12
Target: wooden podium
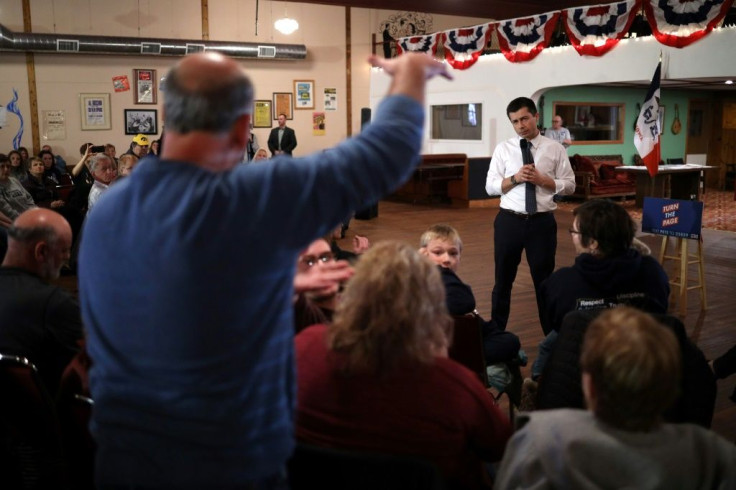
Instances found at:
x=680 y=282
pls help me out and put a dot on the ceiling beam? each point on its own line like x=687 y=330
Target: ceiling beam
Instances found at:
x=484 y=9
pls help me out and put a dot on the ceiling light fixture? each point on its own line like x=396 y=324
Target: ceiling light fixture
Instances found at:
x=728 y=82
x=286 y=25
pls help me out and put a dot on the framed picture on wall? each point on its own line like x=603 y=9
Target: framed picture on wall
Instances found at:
x=283 y=103
x=141 y=121
x=145 y=87
x=262 y=114
x=304 y=92
x=95 y=111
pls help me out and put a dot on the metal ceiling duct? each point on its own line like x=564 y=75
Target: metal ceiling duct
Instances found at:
x=74 y=44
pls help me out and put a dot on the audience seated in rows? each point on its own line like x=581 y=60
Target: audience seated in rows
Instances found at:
x=38 y=321
x=379 y=380
x=441 y=243
x=608 y=271
x=631 y=367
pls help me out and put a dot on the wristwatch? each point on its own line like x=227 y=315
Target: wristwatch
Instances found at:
x=513 y=180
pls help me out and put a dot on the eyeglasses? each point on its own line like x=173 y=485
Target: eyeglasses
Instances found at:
x=311 y=260
x=573 y=231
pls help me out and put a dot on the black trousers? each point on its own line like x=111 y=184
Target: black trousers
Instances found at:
x=513 y=233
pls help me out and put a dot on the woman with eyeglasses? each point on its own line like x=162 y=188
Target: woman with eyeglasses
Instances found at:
x=379 y=380
x=609 y=271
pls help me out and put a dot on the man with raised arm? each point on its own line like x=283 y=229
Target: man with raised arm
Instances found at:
x=186 y=283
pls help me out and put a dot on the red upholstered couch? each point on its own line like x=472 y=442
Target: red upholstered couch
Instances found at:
x=596 y=177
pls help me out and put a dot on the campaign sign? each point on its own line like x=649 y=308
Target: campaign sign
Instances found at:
x=672 y=217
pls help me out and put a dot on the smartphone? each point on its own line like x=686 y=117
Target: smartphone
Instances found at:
x=98 y=149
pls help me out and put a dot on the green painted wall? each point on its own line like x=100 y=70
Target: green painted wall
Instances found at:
x=673 y=146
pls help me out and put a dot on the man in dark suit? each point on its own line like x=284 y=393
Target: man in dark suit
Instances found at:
x=282 y=140
x=38 y=321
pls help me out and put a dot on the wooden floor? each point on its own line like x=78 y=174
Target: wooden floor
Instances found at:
x=714 y=330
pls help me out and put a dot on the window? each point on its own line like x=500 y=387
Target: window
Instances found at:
x=592 y=123
x=457 y=122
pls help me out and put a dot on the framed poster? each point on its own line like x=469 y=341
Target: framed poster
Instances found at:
x=304 y=91
x=262 y=114
x=141 y=121
x=283 y=103
x=95 y=111
x=145 y=87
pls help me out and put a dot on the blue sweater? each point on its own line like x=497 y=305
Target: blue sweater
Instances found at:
x=185 y=281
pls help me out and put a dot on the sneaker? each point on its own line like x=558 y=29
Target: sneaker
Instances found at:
x=498 y=376
x=528 y=395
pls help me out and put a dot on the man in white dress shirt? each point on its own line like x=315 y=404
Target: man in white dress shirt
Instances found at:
x=525 y=221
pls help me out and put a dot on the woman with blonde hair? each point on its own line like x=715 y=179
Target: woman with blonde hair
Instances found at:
x=379 y=380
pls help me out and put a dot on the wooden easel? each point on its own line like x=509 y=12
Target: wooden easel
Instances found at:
x=680 y=276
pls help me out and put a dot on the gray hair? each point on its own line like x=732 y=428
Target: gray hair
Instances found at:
x=214 y=108
x=95 y=160
x=32 y=235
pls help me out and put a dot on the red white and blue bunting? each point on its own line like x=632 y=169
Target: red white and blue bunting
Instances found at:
x=524 y=38
x=418 y=44
x=463 y=46
x=678 y=23
x=594 y=31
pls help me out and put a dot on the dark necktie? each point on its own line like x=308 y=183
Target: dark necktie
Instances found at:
x=531 y=191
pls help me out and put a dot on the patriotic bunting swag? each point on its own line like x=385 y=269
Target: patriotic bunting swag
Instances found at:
x=594 y=31
x=646 y=135
x=463 y=46
x=523 y=39
x=420 y=44
x=678 y=23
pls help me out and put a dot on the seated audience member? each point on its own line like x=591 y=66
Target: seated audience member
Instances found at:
x=59 y=162
x=379 y=380
x=37 y=320
x=24 y=156
x=17 y=169
x=40 y=186
x=80 y=171
x=631 y=368
x=125 y=165
x=261 y=154
x=111 y=152
x=154 y=149
x=101 y=168
x=139 y=146
x=14 y=198
x=51 y=171
x=315 y=302
x=608 y=271
x=442 y=244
